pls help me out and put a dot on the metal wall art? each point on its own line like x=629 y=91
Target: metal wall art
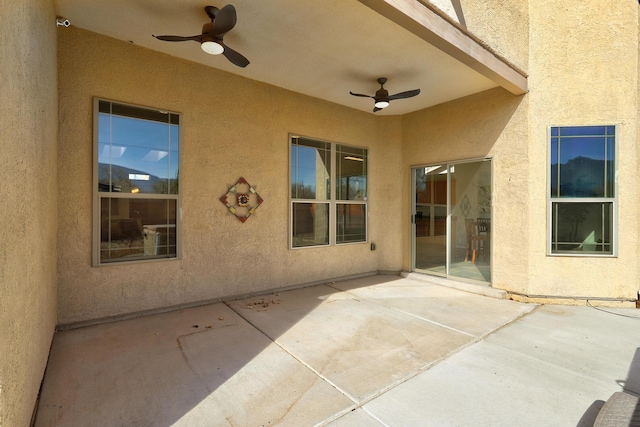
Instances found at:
x=241 y=199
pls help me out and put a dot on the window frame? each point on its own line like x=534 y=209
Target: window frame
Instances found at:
x=332 y=201
x=553 y=201
x=98 y=196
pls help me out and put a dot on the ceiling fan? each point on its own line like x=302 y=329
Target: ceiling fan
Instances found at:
x=382 y=97
x=211 y=39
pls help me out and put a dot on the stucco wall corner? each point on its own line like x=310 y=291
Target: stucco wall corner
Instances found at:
x=584 y=71
x=28 y=180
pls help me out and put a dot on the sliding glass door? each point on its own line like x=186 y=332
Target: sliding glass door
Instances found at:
x=430 y=218
x=451 y=220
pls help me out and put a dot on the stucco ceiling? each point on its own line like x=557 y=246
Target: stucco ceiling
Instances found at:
x=323 y=49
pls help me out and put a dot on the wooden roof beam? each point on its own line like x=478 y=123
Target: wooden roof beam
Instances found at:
x=454 y=41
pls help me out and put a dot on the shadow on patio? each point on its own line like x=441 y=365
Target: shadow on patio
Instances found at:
x=366 y=351
x=300 y=357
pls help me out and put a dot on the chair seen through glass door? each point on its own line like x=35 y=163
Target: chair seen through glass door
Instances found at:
x=451 y=220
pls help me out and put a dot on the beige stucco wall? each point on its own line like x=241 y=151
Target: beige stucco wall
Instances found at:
x=232 y=127
x=489 y=124
x=582 y=62
x=237 y=127
x=28 y=134
x=584 y=70
x=582 y=59
x=502 y=26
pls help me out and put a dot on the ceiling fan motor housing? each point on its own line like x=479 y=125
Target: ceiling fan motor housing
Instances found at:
x=381 y=94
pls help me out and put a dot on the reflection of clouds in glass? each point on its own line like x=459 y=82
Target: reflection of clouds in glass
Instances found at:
x=112 y=151
x=155 y=155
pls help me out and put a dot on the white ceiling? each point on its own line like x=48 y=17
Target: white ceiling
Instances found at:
x=323 y=49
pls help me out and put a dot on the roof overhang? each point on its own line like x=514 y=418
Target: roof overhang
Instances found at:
x=323 y=49
x=433 y=28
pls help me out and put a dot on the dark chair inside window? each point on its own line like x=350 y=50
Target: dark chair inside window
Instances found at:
x=478 y=233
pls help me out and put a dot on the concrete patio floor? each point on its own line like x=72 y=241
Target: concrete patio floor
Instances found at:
x=374 y=351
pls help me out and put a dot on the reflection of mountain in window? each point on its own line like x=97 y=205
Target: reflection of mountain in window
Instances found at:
x=582 y=189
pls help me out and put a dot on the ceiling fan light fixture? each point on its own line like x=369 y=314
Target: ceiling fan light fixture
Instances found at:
x=211 y=38
x=382 y=97
x=212 y=47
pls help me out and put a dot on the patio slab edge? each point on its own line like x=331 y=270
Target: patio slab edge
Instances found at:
x=479 y=289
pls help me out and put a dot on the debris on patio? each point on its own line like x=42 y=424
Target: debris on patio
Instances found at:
x=263 y=304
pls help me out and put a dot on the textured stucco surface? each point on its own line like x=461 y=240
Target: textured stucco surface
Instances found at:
x=584 y=70
x=237 y=127
x=28 y=135
x=582 y=62
x=232 y=127
x=490 y=124
x=502 y=26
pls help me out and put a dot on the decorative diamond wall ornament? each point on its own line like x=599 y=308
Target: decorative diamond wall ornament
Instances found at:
x=465 y=205
x=241 y=199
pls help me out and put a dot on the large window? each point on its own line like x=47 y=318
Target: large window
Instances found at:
x=136 y=185
x=328 y=193
x=582 y=190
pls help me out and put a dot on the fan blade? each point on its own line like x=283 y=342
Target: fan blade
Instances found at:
x=359 y=94
x=234 y=57
x=407 y=94
x=178 y=38
x=225 y=20
x=211 y=12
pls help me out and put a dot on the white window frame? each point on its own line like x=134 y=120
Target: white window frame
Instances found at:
x=553 y=202
x=332 y=201
x=98 y=195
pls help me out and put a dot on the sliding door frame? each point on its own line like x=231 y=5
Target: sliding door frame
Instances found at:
x=449 y=244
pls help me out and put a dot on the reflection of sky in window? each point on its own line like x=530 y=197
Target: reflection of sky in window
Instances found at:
x=592 y=142
x=303 y=166
x=142 y=145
